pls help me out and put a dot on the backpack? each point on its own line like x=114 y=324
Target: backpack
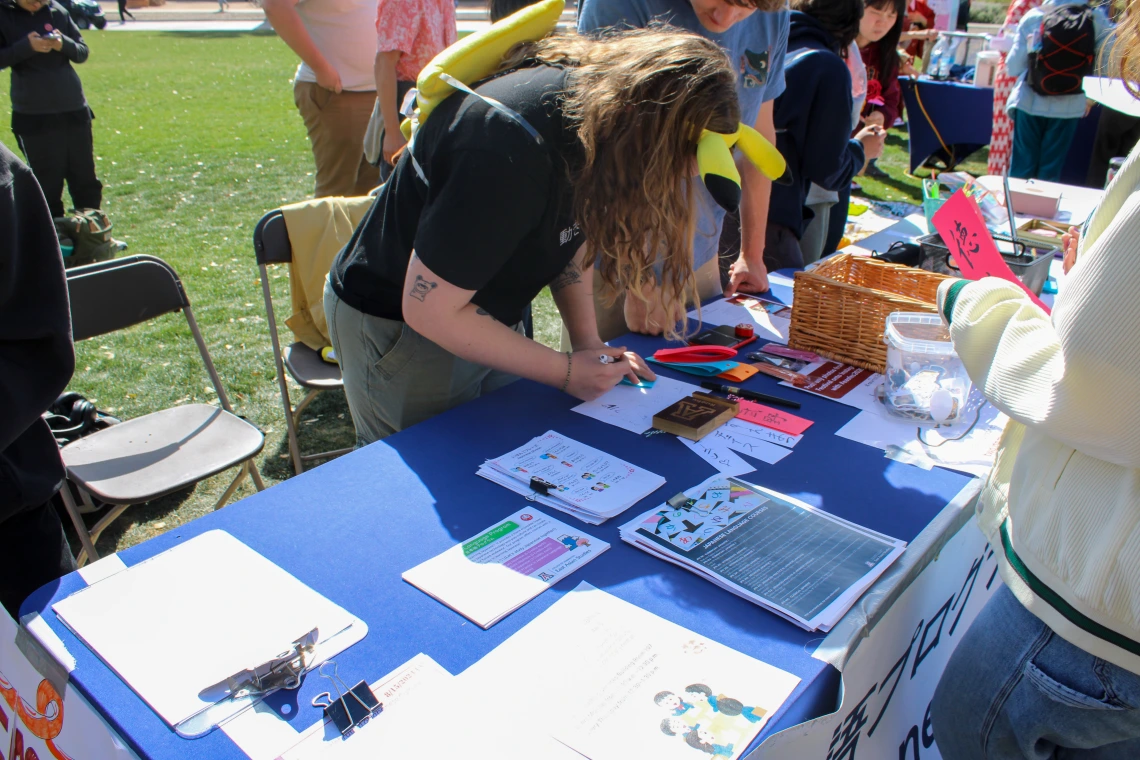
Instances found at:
x=89 y=232
x=1066 y=52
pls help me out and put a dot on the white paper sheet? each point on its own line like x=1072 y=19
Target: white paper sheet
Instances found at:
x=586 y=478
x=633 y=408
x=212 y=596
x=494 y=573
x=420 y=676
x=605 y=694
x=973 y=454
x=720 y=457
x=756 y=441
x=447 y=719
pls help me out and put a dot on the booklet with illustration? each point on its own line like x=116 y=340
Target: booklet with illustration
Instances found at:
x=494 y=573
x=613 y=681
x=572 y=477
x=798 y=561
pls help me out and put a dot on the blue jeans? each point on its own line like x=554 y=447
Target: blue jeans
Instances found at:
x=1014 y=689
x=1040 y=146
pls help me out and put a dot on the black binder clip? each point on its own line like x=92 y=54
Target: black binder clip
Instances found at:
x=538 y=485
x=352 y=708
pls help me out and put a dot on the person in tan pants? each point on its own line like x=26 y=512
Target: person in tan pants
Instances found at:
x=334 y=87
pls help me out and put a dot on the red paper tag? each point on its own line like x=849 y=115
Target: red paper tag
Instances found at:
x=964 y=232
x=758 y=414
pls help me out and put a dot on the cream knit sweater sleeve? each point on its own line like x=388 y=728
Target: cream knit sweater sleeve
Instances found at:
x=1075 y=377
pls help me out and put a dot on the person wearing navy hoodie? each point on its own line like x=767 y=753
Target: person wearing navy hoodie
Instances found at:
x=36 y=362
x=50 y=118
x=813 y=122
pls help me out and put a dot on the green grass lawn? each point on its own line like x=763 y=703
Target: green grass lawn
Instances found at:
x=196 y=137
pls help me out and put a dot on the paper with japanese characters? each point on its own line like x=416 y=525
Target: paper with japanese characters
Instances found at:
x=585 y=479
x=494 y=573
x=800 y=562
x=639 y=686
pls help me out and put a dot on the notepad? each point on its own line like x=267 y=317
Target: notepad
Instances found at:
x=492 y=574
x=187 y=619
x=572 y=477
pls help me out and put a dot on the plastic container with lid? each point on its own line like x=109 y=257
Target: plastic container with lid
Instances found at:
x=925 y=380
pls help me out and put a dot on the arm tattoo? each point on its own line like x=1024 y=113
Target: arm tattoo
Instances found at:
x=421 y=287
x=483 y=312
x=571 y=275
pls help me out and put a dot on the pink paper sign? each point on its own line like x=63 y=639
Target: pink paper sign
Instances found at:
x=758 y=414
x=964 y=232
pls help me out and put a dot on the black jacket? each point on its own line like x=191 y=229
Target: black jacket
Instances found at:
x=813 y=122
x=42 y=83
x=36 y=354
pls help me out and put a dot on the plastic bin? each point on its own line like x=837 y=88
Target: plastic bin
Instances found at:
x=1031 y=264
x=925 y=382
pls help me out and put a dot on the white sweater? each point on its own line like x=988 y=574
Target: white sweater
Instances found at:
x=1062 y=504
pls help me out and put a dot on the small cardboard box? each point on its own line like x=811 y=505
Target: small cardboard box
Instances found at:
x=1035 y=200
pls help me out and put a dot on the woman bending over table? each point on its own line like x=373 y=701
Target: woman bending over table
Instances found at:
x=578 y=153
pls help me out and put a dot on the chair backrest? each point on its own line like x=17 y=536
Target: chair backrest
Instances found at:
x=112 y=295
x=271 y=240
x=120 y=293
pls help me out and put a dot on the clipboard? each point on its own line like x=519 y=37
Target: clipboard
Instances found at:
x=252 y=627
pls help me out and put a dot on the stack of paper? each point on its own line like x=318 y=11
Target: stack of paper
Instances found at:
x=494 y=573
x=789 y=557
x=572 y=477
x=613 y=681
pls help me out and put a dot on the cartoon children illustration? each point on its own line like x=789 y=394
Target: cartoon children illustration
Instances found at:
x=675 y=727
x=699 y=694
x=705 y=741
x=672 y=702
x=588 y=476
x=599 y=486
x=519 y=469
x=547 y=456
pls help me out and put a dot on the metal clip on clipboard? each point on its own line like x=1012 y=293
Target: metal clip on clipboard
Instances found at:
x=352 y=707
x=249 y=686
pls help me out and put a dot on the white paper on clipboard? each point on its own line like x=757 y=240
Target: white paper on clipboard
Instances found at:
x=194 y=615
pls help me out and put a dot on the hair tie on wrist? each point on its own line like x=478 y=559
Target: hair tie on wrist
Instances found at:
x=569 y=364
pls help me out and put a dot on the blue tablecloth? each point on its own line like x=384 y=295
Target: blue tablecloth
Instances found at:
x=350 y=527
x=963 y=116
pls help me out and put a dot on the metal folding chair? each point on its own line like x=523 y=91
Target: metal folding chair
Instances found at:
x=151 y=456
x=271 y=246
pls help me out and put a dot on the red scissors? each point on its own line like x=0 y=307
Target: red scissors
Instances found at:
x=695 y=354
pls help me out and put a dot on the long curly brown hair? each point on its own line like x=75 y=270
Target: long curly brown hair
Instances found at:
x=639 y=100
x=1127 y=47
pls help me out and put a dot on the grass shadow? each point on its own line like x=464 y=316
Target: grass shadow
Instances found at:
x=326 y=425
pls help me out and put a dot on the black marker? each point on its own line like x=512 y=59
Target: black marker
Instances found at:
x=732 y=390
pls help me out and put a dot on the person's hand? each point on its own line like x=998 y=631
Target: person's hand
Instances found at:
x=328 y=77
x=41 y=44
x=1089 y=103
x=906 y=66
x=646 y=317
x=746 y=278
x=591 y=377
x=873 y=139
x=1070 y=241
x=393 y=141
x=874 y=119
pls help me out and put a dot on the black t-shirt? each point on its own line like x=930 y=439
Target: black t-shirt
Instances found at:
x=495 y=215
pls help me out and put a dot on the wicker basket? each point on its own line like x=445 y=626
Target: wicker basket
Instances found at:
x=841 y=306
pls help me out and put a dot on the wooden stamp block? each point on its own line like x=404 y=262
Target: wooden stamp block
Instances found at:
x=696 y=416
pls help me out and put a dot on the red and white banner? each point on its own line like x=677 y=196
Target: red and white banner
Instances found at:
x=37 y=722
x=889 y=680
